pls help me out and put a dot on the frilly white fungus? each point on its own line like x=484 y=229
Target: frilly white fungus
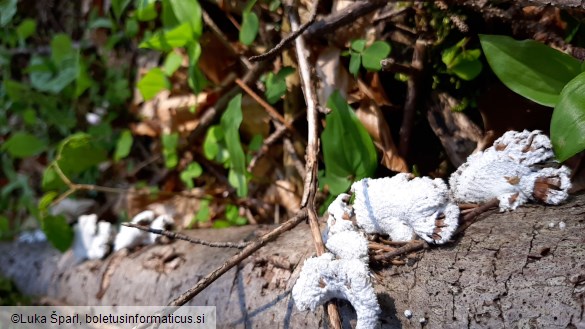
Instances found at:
x=519 y=167
x=93 y=238
x=562 y=225
x=401 y=206
x=342 y=273
x=162 y=222
x=130 y=237
x=324 y=278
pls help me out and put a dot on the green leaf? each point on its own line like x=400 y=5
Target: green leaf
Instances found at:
x=348 y=150
x=4 y=227
x=22 y=145
x=529 y=68
x=211 y=143
x=123 y=145
x=166 y=40
x=192 y=171
x=232 y=214
x=172 y=63
x=354 y=63
x=230 y=124
x=220 y=223
x=7 y=11
x=203 y=213
x=145 y=10
x=372 y=56
x=170 y=143
x=152 y=83
x=46 y=201
x=467 y=65
x=51 y=180
x=83 y=80
x=61 y=48
x=197 y=81
x=27 y=28
x=249 y=28
x=567 y=126
x=58 y=231
x=118 y=7
x=189 y=11
x=78 y=153
x=276 y=84
x=358 y=45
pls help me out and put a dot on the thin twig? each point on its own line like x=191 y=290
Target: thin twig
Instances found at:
x=412 y=96
x=222 y=38
x=269 y=141
x=289 y=39
x=312 y=150
x=289 y=147
x=470 y=217
x=238 y=258
x=414 y=245
x=179 y=236
x=269 y=109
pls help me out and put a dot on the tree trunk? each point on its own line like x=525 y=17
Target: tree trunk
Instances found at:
x=509 y=270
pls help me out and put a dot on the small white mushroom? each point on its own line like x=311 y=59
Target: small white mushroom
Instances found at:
x=92 y=238
x=130 y=237
x=408 y=314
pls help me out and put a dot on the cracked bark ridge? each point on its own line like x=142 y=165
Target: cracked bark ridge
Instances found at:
x=509 y=270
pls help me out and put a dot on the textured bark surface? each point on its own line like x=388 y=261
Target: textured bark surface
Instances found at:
x=509 y=270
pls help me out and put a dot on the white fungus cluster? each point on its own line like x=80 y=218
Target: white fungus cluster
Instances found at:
x=401 y=206
x=341 y=273
x=130 y=237
x=93 y=238
x=519 y=167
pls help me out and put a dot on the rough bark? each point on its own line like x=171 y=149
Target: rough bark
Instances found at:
x=509 y=270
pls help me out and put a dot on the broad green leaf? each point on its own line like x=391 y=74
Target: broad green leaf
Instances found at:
x=203 y=213
x=51 y=180
x=372 y=56
x=232 y=214
x=189 y=11
x=211 y=143
x=358 y=45
x=16 y=91
x=196 y=80
x=123 y=145
x=249 y=28
x=145 y=10
x=169 y=19
x=567 y=126
x=172 y=63
x=354 y=63
x=529 y=68
x=83 y=80
x=274 y=4
x=152 y=83
x=192 y=171
x=46 y=201
x=276 y=84
x=348 y=150
x=61 y=48
x=166 y=40
x=220 y=223
x=27 y=28
x=7 y=11
x=22 y=145
x=58 y=231
x=78 y=153
x=230 y=124
x=170 y=143
x=118 y=7
x=466 y=65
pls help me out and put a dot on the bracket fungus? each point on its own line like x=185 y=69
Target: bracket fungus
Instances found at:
x=401 y=206
x=520 y=166
x=341 y=273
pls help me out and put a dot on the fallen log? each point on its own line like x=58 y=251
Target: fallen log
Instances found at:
x=522 y=269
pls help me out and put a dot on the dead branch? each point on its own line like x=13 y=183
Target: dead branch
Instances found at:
x=179 y=236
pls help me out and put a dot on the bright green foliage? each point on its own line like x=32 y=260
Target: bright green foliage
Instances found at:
x=196 y=79
x=166 y=40
x=369 y=57
x=22 y=145
x=233 y=218
x=530 y=68
x=214 y=147
x=203 y=213
x=27 y=28
x=462 y=62
x=152 y=83
x=170 y=142
x=172 y=63
x=189 y=11
x=192 y=171
x=230 y=124
x=249 y=29
x=7 y=11
x=123 y=145
x=145 y=10
x=58 y=231
x=118 y=7
x=348 y=150
x=567 y=126
x=276 y=84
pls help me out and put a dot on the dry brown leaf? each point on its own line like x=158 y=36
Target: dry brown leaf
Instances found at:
x=373 y=120
x=216 y=61
x=255 y=118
